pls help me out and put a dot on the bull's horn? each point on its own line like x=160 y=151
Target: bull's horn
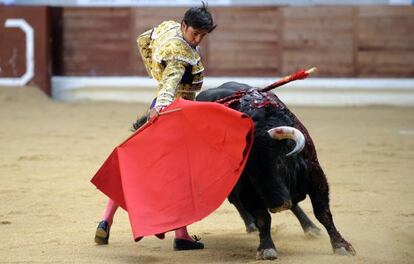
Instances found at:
x=285 y=132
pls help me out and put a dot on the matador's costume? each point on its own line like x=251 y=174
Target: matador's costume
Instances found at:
x=171 y=61
x=190 y=171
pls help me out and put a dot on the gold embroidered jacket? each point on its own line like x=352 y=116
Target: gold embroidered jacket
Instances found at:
x=171 y=61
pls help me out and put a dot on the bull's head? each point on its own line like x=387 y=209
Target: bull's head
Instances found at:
x=276 y=166
x=279 y=133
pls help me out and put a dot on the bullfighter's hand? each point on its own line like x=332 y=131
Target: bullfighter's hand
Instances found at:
x=154 y=113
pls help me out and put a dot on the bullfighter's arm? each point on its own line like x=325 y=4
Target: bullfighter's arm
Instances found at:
x=143 y=43
x=168 y=85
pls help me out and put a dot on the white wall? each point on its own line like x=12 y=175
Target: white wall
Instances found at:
x=308 y=92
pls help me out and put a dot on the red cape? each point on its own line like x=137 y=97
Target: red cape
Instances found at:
x=179 y=168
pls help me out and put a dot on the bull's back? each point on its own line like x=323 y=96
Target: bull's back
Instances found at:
x=224 y=90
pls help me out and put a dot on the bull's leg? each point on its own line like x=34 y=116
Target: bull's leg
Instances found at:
x=319 y=195
x=310 y=229
x=247 y=218
x=266 y=249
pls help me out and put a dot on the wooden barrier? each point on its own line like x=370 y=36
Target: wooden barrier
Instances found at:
x=25 y=47
x=363 y=41
x=321 y=37
x=251 y=41
x=385 y=41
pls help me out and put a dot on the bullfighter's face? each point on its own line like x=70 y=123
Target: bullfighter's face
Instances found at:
x=193 y=36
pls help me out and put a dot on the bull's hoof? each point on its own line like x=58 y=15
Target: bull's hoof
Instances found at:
x=341 y=251
x=345 y=251
x=266 y=254
x=312 y=232
x=251 y=228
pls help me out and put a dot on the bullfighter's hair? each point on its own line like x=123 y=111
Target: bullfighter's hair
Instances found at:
x=199 y=18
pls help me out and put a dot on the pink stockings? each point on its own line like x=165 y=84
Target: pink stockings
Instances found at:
x=109 y=212
x=111 y=207
x=182 y=233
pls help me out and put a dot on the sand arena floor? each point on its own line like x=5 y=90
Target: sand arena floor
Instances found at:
x=49 y=210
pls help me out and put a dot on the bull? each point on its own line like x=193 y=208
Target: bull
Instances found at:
x=276 y=178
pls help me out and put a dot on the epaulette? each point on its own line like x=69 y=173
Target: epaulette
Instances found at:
x=176 y=48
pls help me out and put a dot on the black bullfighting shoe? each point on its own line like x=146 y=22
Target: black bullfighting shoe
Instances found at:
x=183 y=244
x=102 y=233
